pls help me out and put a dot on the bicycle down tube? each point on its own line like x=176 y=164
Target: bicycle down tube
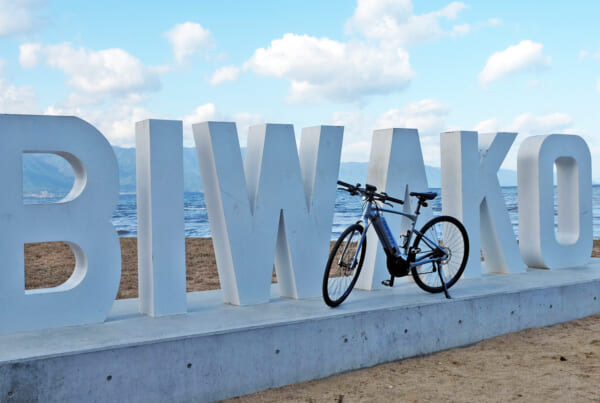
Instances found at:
x=388 y=240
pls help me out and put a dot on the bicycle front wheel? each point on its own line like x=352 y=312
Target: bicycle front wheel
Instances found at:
x=343 y=266
x=451 y=236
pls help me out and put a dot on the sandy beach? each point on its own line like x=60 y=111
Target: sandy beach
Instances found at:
x=557 y=363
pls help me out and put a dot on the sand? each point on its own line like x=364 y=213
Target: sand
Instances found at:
x=556 y=363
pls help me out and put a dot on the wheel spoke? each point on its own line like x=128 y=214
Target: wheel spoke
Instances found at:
x=341 y=274
x=453 y=241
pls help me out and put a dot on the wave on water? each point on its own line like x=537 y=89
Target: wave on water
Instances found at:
x=347 y=211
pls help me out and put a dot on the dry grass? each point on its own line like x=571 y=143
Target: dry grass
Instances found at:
x=51 y=263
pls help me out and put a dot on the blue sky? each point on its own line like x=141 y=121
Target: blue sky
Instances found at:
x=528 y=67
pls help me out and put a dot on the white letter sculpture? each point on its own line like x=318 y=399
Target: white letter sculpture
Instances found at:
x=396 y=166
x=161 y=229
x=82 y=219
x=275 y=205
x=573 y=242
x=471 y=192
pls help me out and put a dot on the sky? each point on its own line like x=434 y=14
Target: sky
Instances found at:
x=526 y=67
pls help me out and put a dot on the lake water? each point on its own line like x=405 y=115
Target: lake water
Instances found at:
x=347 y=211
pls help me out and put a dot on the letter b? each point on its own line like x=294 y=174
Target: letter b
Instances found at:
x=81 y=219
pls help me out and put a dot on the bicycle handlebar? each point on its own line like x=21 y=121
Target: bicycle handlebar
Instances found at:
x=342 y=183
x=354 y=189
x=393 y=199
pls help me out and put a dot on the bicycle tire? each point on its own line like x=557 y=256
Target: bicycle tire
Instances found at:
x=449 y=233
x=339 y=280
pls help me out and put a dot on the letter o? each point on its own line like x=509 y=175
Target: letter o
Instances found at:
x=573 y=242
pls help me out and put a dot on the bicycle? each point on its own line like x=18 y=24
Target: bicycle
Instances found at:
x=436 y=259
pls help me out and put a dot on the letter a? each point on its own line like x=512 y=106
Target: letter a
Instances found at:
x=396 y=166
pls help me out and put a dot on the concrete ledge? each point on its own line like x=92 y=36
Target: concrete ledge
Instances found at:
x=218 y=351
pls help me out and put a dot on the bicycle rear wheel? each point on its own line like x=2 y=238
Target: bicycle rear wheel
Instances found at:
x=452 y=237
x=342 y=270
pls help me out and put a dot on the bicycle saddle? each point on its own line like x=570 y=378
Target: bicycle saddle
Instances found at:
x=425 y=195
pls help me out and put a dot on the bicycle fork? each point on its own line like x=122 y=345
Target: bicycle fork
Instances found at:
x=355 y=258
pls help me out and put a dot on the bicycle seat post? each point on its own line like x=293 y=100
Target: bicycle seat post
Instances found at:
x=420 y=203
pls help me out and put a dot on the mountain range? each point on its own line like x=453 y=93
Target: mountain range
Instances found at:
x=51 y=174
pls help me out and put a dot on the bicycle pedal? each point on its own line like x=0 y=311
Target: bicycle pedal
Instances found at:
x=388 y=283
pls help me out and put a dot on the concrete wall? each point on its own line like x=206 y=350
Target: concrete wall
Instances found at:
x=218 y=351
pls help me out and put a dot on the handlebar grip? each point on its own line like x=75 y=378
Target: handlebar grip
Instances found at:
x=342 y=183
x=394 y=200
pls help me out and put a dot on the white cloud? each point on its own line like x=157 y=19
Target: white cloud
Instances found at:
x=19 y=16
x=203 y=113
x=243 y=121
x=526 y=55
x=226 y=73
x=322 y=68
x=487 y=126
x=529 y=124
x=209 y=112
x=356 y=152
x=15 y=99
x=461 y=30
x=394 y=21
x=546 y=124
x=116 y=123
x=427 y=115
x=525 y=125
x=430 y=147
x=583 y=54
x=357 y=134
x=533 y=84
x=464 y=29
x=374 y=62
x=494 y=22
x=355 y=124
x=29 y=54
x=120 y=128
x=95 y=77
x=189 y=38
x=109 y=72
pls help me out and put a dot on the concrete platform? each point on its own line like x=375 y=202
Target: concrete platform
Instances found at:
x=218 y=351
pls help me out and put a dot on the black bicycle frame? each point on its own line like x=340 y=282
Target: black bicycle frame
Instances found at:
x=372 y=215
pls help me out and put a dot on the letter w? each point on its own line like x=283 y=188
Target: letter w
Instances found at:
x=278 y=207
